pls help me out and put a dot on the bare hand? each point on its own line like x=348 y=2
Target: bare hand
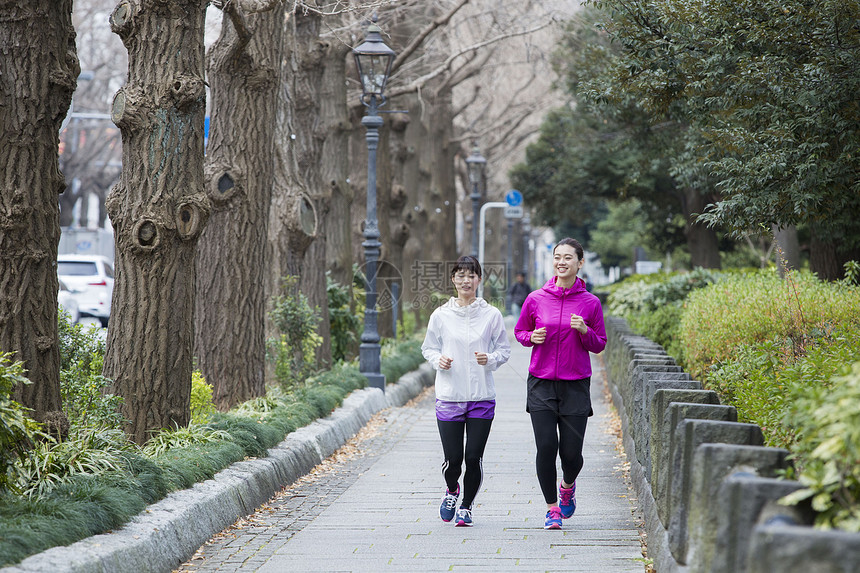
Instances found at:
x=578 y=323
x=445 y=362
x=482 y=358
x=538 y=335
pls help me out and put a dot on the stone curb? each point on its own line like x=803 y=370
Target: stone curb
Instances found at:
x=168 y=532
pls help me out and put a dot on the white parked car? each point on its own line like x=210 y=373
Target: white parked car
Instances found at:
x=90 y=277
x=68 y=302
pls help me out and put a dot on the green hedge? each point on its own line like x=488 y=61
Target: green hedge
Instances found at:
x=85 y=505
x=781 y=352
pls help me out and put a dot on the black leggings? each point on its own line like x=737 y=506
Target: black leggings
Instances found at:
x=562 y=436
x=477 y=431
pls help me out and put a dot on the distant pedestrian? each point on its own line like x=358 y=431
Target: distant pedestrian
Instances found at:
x=589 y=286
x=465 y=342
x=519 y=291
x=562 y=322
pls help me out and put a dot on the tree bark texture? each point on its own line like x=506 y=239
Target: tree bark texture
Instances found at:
x=827 y=257
x=38 y=71
x=422 y=198
x=301 y=197
x=788 y=248
x=425 y=162
x=230 y=336
x=334 y=166
x=418 y=254
x=701 y=240
x=158 y=210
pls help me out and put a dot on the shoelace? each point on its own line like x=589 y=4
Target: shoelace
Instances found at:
x=565 y=497
x=450 y=501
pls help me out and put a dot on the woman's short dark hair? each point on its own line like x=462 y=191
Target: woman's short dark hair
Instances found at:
x=467 y=263
x=573 y=243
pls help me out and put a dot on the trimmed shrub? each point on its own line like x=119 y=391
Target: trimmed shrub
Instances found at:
x=86 y=396
x=18 y=432
x=202 y=407
x=343 y=322
x=750 y=309
x=828 y=450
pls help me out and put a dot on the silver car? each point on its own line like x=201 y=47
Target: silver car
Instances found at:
x=90 y=277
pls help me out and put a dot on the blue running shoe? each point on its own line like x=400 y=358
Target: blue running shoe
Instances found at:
x=449 y=505
x=464 y=517
x=553 y=519
x=567 y=500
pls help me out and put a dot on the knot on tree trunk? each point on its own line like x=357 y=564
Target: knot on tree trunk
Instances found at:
x=186 y=91
x=398 y=198
x=191 y=217
x=224 y=185
x=301 y=223
x=44 y=343
x=146 y=236
x=128 y=108
x=401 y=234
x=122 y=19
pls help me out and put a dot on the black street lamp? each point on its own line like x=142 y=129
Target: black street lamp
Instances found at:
x=527 y=235
x=373 y=60
x=475 y=164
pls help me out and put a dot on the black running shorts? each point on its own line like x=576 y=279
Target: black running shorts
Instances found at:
x=564 y=397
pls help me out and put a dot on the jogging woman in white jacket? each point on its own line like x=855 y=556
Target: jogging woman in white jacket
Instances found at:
x=466 y=341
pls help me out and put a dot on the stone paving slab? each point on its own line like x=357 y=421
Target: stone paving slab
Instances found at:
x=380 y=509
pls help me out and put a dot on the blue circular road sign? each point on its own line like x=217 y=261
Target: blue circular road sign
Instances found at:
x=514 y=198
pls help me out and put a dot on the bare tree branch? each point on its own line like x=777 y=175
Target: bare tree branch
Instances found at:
x=418 y=83
x=422 y=35
x=470 y=69
x=476 y=90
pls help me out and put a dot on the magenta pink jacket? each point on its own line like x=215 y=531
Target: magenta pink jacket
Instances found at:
x=564 y=353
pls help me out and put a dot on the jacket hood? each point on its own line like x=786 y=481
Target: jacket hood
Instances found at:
x=553 y=289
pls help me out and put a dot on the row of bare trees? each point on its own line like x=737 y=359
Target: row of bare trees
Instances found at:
x=203 y=237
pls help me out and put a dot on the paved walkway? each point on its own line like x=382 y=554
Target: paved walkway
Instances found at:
x=375 y=506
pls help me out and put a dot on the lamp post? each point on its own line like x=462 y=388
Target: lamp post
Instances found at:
x=475 y=164
x=373 y=60
x=527 y=235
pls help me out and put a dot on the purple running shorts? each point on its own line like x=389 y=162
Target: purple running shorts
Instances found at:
x=459 y=411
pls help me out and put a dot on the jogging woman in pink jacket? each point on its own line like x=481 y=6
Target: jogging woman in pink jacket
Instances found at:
x=563 y=323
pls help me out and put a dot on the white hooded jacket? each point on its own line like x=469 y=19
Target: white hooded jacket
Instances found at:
x=459 y=332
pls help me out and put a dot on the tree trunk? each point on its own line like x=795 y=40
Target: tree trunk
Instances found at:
x=827 y=257
x=334 y=110
x=38 y=70
x=158 y=210
x=443 y=191
x=422 y=273
x=701 y=239
x=302 y=192
x=230 y=316
x=788 y=248
x=424 y=158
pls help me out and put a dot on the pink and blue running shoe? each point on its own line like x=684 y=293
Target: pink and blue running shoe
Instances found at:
x=567 y=500
x=449 y=505
x=464 y=517
x=553 y=519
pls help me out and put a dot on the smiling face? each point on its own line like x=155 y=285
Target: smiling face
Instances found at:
x=466 y=283
x=566 y=263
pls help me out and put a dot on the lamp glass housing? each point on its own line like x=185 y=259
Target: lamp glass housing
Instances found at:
x=373 y=60
x=476 y=163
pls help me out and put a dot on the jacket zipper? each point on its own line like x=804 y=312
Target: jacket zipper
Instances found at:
x=558 y=338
